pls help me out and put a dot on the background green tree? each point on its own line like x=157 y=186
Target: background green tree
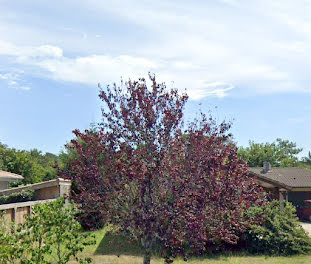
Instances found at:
x=33 y=165
x=281 y=153
x=307 y=160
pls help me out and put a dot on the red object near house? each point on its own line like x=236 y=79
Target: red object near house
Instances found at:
x=304 y=212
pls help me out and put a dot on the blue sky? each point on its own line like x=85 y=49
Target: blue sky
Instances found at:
x=251 y=59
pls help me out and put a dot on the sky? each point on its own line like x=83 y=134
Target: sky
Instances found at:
x=245 y=61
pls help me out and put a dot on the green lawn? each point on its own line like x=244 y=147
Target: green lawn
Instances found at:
x=112 y=249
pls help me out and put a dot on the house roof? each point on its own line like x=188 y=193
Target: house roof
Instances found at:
x=8 y=176
x=288 y=177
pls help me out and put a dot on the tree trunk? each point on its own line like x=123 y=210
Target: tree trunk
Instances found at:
x=147 y=257
x=146 y=243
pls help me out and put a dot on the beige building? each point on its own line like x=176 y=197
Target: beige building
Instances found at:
x=43 y=192
x=7 y=177
x=290 y=184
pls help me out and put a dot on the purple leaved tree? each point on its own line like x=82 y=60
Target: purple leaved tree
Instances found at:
x=177 y=189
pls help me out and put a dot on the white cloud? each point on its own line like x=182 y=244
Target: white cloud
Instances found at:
x=43 y=51
x=95 y=68
x=14 y=80
x=12 y=83
x=88 y=69
x=211 y=47
x=218 y=89
x=106 y=69
x=25 y=88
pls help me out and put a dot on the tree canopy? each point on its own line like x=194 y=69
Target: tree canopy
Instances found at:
x=33 y=165
x=174 y=193
x=307 y=160
x=281 y=153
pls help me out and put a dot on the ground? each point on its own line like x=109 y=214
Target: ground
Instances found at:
x=109 y=246
x=222 y=260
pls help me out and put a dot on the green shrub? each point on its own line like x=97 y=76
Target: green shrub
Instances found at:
x=11 y=246
x=16 y=184
x=279 y=232
x=51 y=233
x=22 y=196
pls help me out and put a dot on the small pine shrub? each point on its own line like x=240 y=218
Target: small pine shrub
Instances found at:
x=279 y=232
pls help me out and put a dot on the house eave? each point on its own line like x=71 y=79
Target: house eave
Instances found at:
x=272 y=182
x=10 y=179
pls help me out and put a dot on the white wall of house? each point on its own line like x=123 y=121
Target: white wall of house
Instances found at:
x=4 y=185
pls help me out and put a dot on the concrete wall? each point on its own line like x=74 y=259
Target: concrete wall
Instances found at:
x=17 y=211
x=43 y=192
x=20 y=214
x=47 y=193
x=3 y=185
x=9 y=215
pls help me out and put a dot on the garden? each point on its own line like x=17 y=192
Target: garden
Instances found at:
x=149 y=187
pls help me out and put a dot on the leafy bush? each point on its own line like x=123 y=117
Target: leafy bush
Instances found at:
x=16 y=184
x=279 y=232
x=11 y=246
x=51 y=230
x=23 y=196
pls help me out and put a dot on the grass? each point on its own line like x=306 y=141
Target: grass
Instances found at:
x=114 y=249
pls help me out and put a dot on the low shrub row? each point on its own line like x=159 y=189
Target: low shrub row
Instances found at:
x=22 y=196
